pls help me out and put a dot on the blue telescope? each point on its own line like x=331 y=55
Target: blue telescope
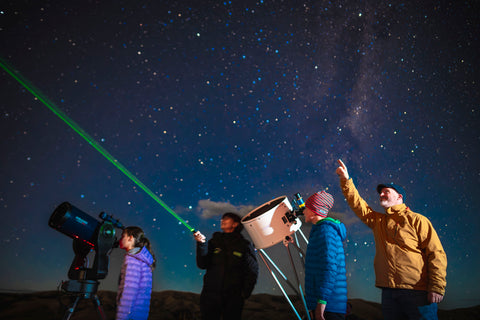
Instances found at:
x=88 y=234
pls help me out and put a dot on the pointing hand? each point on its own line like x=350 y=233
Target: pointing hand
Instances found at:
x=342 y=170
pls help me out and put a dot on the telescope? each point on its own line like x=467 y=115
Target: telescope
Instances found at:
x=277 y=221
x=274 y=221
x=88 y=233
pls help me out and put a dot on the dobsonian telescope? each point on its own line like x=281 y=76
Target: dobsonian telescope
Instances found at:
x=88 y=234
x=274 y=222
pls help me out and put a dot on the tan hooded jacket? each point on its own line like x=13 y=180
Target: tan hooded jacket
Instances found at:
x=409 y=254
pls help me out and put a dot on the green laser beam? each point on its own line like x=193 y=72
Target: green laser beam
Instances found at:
x=59 y=113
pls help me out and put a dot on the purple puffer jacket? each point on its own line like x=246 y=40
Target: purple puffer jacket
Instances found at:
x=135 y=288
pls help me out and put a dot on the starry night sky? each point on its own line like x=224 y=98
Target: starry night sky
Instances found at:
x=219 y=106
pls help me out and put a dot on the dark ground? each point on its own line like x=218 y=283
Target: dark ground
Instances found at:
x=177 y=305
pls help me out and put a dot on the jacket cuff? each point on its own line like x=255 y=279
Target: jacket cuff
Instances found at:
x=436 y=289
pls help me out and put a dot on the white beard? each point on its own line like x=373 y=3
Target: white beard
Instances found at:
x=386 y=204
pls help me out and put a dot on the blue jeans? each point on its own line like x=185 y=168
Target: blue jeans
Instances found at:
x=407 y=304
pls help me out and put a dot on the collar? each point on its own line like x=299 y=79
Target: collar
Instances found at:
x=327 y=219
x=396 y=209
x=134 y=250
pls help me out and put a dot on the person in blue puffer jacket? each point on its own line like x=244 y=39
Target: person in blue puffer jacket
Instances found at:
x=135 y=284
x=325 y=273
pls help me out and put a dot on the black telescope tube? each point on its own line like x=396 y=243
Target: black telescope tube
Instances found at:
x=74 y=223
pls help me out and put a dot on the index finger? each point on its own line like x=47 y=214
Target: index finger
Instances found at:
x=340 y=162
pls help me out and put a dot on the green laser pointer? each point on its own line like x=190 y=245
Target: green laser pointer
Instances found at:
x=59 y=113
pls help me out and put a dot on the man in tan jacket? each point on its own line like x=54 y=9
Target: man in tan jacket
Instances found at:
x=410 y=263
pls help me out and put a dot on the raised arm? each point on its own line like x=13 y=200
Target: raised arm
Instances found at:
x=359 y=206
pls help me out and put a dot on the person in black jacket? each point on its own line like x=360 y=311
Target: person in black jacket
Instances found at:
x=231 y=270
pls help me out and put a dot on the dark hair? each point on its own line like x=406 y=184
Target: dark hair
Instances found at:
x=140 y=240
x=236 y=218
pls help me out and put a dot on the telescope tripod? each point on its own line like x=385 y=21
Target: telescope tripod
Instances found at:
x=82 y=289
x=269 y=263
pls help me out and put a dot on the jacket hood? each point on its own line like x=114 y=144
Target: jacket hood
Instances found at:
x=337 y=225
x=144 y=255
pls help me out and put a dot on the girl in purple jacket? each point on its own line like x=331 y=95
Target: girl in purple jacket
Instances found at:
x=135 y=287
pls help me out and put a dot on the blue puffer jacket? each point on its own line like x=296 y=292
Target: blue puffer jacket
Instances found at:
x=325 y=274
x=135 y=288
